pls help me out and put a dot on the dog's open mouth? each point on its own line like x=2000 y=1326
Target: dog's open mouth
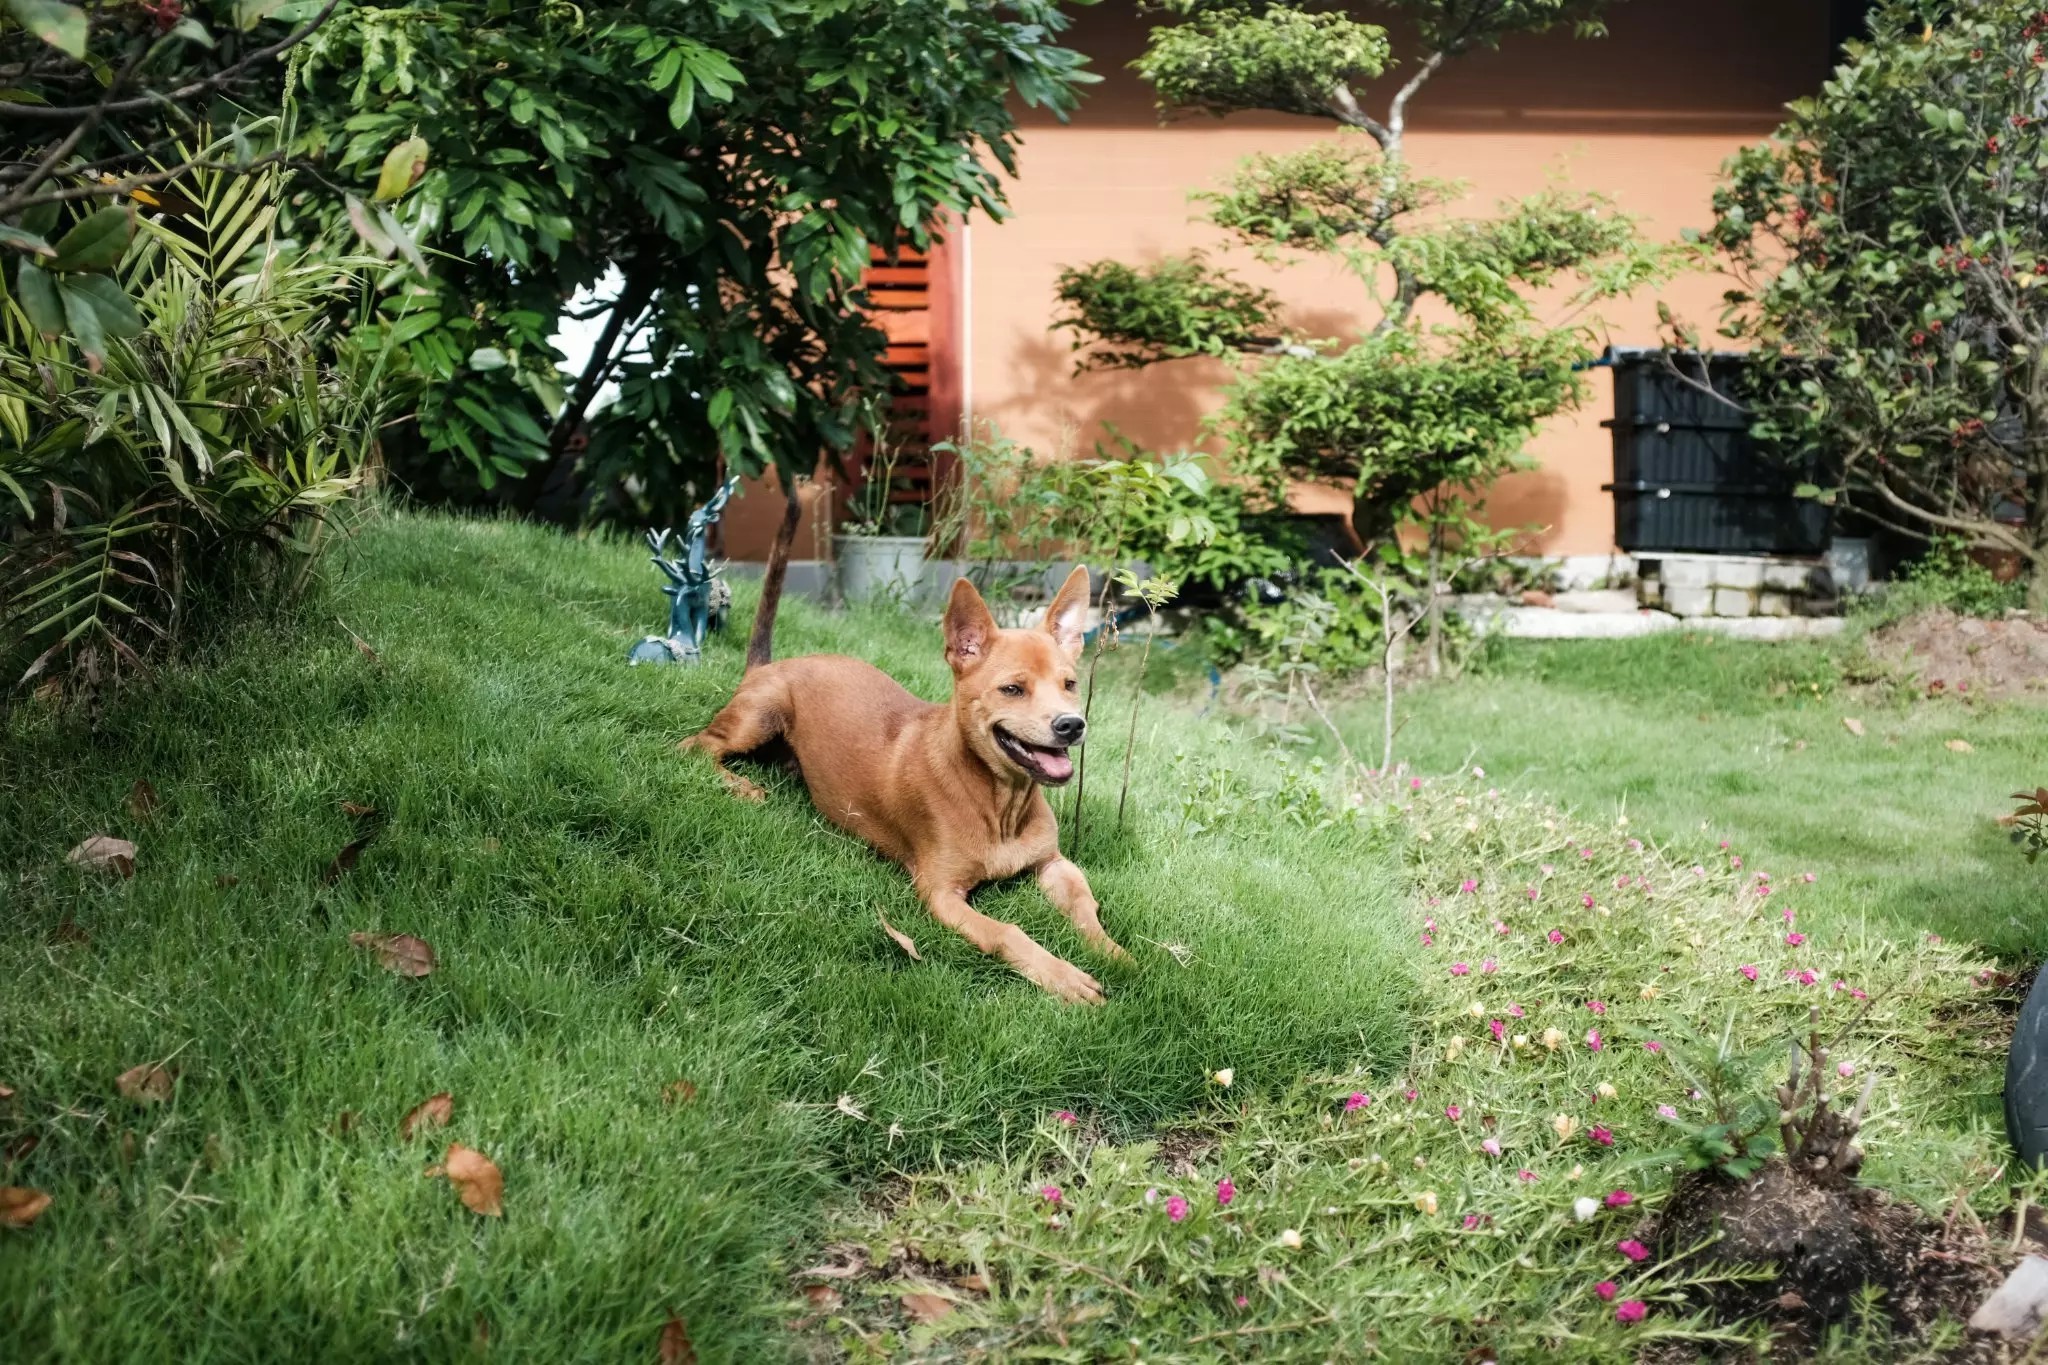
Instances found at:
x=1046 y=763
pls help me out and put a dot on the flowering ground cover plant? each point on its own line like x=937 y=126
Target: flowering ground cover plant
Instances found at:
x=1506 y=1186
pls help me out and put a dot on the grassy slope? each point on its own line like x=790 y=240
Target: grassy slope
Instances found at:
x=607 y=921
x=1676 y=728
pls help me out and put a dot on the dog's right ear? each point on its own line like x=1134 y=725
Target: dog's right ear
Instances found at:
x=970 y=629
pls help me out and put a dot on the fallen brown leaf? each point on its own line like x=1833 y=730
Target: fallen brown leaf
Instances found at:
x=6 y=1092
x=362 y=645
x=1791 y=1300
x=675 y=1344
x=226 y=880
x=357 y=810
x=400 y=954
x=345 y=861
x=69 y=932
x=1960 y=746
x=142 y=802
x=902 y=939
x=19 y=1206
x=853 y=1262
x=105 y=853
x=1852 y=725
x=345 y=1121
x=926 y=1307
x=976 y=1284
x=822 y=1297
x=476 y=1179
x=679 y=1092
x=49 y=691
x=1536 y=597
x=145 y=1084
x=433 y=1112
x=128 y=1148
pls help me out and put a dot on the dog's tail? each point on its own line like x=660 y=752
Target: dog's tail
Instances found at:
x=761 y=643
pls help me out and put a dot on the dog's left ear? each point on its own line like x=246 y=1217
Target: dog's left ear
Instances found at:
x=1067 y=617
x=970 y=629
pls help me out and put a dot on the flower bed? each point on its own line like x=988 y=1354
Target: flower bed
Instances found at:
x=1591 y=1008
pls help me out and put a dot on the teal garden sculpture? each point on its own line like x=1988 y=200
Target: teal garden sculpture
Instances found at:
x=698 y=597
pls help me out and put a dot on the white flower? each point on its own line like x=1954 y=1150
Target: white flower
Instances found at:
x=1604 y=1091
x=1585 y=1208
x=1475 y=1009
x=1521 y=1040
x=1290 y=1239
x=1224 y=1077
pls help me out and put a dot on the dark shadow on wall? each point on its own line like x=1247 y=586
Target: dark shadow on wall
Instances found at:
x=1666 y=66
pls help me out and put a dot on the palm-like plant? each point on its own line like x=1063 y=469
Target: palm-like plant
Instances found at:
x=201 y=443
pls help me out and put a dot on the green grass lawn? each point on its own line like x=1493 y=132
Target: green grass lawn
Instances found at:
x=1675 y=730
x=607 y=921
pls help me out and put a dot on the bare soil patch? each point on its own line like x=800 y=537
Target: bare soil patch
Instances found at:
x=1967 y=656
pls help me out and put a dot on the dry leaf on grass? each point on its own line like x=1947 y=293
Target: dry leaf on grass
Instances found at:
x=1852 y=725
x=226 y=880
x=145 y=1084
x=362 y=645
x=345 y=861
x=679 y=1092
x=926 y=1307
x=356 y=810
x=6 y=1092
x=851 y=1262
x=822 y=1297
x=142 y=802
x=479 y=1182
x=975 y=1284
x=344 y=1122
x=433 y=1112
x=105 y=853
x=1960 y=746
x=19 y=1206
x=675 y=1344
x=902 y=939
x=400 y=954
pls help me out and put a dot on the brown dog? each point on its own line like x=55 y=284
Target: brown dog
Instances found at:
x=950 y=792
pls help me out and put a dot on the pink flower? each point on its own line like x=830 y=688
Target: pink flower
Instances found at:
x=1724 y=843
x=1499 y=1029
x=1632 y=1311
x=1806 y=876
x=1488 y=967
x=1597 y=1006
x=1698 y=871
x=1460 y=969
x=1606 y=1289
x=1593 y=1039
x=1635 y=845
x=1411 y=1095
x=1546 y=869
x=1152 y=1195
x=1066 y=1118
x=1491 y=1147
x=1748 y=969
x=1840 y=984
x=1652 y=1045
x=1453 y=1112
x=1555 y=936
x=1763 y=888
x=1356 y=1100
x=1603 y=1136
x=1500 y=926
x=1855 y=994
x=1665 y=1111
x=1795 y=939
x=1790 y=914
x=1585 y=853
x=1429 y=926
x=1587 y=900
x=1530 y=892
x=1807 y=978
x=1428 y=942
x=1415 y=784
x=1735 y=863
x=1225 y=1192
x=1620 y=1199
x=1467 y=887
x=1514 y=1010
x=1176 y=1208
x=1525 y=1175
x=1621 y=883
x=1242 y=1301
x=1050 y=1194
x=1471 y=1221
x=1633 y=1249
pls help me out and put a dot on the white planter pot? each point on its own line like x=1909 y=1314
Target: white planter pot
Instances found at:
x=890 y=567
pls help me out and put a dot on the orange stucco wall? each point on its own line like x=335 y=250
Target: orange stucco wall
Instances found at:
x=1646 y=115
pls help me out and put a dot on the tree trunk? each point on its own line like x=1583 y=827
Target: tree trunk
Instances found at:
x=634 y=296
x=761 y=643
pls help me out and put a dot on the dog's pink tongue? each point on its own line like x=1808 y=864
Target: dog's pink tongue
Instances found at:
x=1057 y=767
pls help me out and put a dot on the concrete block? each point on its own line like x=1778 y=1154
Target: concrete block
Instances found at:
x=1738 y=573
x=1688 y=601
x=1770 y=629
x=1596 y=600
x=1687 y=571
x=1785 y=577
x=1732 y=602
x=1773 y=604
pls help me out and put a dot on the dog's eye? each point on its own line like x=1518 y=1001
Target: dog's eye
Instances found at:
x=1012 y=689
x=1073 y=686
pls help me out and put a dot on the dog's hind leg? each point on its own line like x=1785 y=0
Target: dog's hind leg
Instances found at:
x=751 y=719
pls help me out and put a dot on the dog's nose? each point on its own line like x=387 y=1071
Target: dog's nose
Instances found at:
x=1069 y=728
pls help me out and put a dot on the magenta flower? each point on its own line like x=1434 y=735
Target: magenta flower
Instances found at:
x=1467 y=887
x=1500 y=926
x=1735 y=863
x=1845 y=1069
x=1806 y=876
x=1633 y=1249
x=1652 y=1045
x=1491 y=1147
x=1724 y=843
x=1066 y=1118
x=1635 y=845
x=1471 y=1221
x=1530 y=892
x=1525 y=1175
x=1665 y=1111
x=1855 y=994
x=1415 y=784
x=1428 y=942
x=1603 y=1136
x=1225 y=1192
x=1357 y=1100
x=1411 y=1095
x=1243 y=1302
x=1555 y=936
x=1795 y=939
x=1748 y=969
x=1698 y=871
x=1593 y=1039
x=1789 y=914
x=1606 y=1289
x=1763 y=888
x=1498 y=1028
x=1050 y=1194
x=1587 y=900
x=1460 y=969
x=1429 y=926
x=1620 y=1199
x=1514 y=1010
x=1806 y=978
x=1176 y=1208
x=1632 y=1311
x=1453 y=1112
x=1597 y=1006
x=1585 y=853
x=1488 y=967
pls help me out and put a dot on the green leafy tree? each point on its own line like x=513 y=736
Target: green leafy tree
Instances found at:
x=1891 y=248
x=1410 y=409
x=731 y=162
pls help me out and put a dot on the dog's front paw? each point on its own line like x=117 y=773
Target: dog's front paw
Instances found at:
x=1065 y=980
